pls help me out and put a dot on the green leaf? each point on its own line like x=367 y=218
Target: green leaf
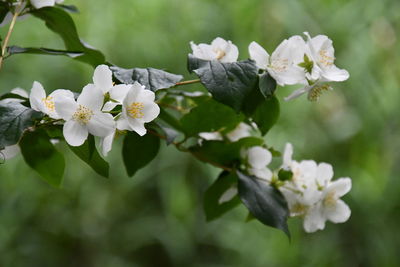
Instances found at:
x=168 y=118
x=267 y=114
x=138 y=151
x=285 y=175
x=265 y=202
x=60 y=22
x=15 y=118
x=39 y=153
x=229 y=83
x=212 y=208
x=223 y=152
x=267 y=85
x=69 y=8
x=13 y=96
x=89 y=154
x=209 y=116
x=151 y=78
x=4 y=9
x=12 y=50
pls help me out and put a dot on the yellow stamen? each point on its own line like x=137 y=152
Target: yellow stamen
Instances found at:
x=49 y=103
x=330 y=199
x=325 y=59
x=316 y=91
x=220 y=54
x=279 y=65
x=298 y=209
x=82 y=114
x=135 y=110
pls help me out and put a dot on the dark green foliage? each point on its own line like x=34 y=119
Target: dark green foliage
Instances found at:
x=39 y=153
x=138 y=151
x=229 y=83
x=15 y=118
x=224 y=153
x=212 y=208
x=89 y=154
x=209 y=116
x=264 y=202
x=151 y=78
x=267 y=114
x=60 y=22
x=12 y=50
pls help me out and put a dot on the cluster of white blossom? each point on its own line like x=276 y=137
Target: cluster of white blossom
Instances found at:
x=307 y=62
x=92 y=112
x=310 y=192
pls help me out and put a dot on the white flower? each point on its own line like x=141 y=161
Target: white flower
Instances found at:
x=219 y=49
x=9 y=152
x=282 y=65
x=43 y=3
x=242 y=130
x=16 y=91
x=312 y=195
x=138 y=108
x=40 y=102
x=106 y=143
x=321 y=54
x=84 y=116
x=258 y=158
x=330 y=207
x=102 y=80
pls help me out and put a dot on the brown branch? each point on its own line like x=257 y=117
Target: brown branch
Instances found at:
x=10 y=29
x=187 y=82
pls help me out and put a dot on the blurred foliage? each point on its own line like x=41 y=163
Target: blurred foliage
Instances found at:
x=156 y=217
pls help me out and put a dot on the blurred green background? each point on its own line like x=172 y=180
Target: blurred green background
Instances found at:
x=156 y=217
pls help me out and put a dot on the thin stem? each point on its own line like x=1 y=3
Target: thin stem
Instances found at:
x=10 y=29
x=187 y=82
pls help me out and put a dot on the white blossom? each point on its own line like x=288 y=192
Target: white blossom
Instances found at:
x=242 y=130
x=258 y=158
x=220 y=49
x=84 y=116
x=102 y=80
x=46 y=104
x=44 y=3
x=282 y=65
x=138 y=108
x=312 y=195
x=320 y=52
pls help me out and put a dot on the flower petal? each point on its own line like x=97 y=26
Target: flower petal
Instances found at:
x=241 y=131
x=341 y=186
x=36 y=97
x=287 y=155
x=203 y=51
x=106 y=143
x=335 y=74
x=91 y=97
x=42 y=3
x=74 y=133
x=258 y=157
x=211 y=136
x=102 y=78
x=299 y=92
x=101 y=124
x=137 y=126
x=151 y=110
x=65 y=107
x=263 y=173
x=122 y=123
x=338 y=213
x=231 y=53
x=259 y=55
x=314 y=219
x=133 y=94
x=324 y=173
x=119 y=92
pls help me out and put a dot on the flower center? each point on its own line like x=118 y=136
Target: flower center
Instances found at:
x=49 y=103
x=135 y=110
x=82 y=114
x=324 y=59
x=316 y=91
x=330 y=199
x=298 y=209
x=279 y=64
x=220 y=53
